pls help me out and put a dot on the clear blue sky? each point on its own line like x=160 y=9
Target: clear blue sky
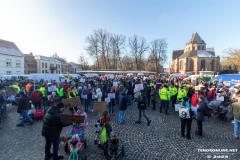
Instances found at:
x=61 y=26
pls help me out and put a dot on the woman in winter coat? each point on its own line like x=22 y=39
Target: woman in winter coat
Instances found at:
x=99 y=94
x=200 y=115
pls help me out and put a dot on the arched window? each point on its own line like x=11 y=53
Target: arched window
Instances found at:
x=213 y=65
x=191 y=65
x=202 y=65
x=181 y=65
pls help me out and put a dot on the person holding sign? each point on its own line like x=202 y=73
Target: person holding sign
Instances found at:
x=51 y=130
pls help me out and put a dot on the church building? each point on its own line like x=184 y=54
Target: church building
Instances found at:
x=195 y=57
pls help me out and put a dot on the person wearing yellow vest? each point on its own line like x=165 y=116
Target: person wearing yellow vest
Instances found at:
x=73 y=92
x=164 y=97
x=44 y=98
x=173 y=93
x=181 y=94
x=16 y=87
x=60 y=92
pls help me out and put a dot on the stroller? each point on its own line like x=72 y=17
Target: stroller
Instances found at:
x=219 y=109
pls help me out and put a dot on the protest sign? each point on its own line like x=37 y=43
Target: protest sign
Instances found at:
x=139 y=87
x=100 y=106
x=71 y=102
x=197 y=88
x=115 y=83
x=82 y=80
x=72 y=118
x=10 y=90
x=111 y=95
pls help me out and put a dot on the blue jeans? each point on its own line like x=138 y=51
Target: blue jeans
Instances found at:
x=121 y=116
x=144 y=115
x=25 y=116
x=236 y=127
x=55 y=140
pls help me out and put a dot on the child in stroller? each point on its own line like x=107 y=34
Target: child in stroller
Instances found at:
x=76 y=134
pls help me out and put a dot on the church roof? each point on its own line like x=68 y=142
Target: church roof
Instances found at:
x=199 y=53
x=177 y=54
x=196 y=39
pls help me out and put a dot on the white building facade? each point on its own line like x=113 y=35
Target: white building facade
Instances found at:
x=48 y=65
x=11 y=59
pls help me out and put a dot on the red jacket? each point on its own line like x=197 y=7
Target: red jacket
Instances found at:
x=194 y=100
x=65 y=87
x=36 y=96
x=211 y=94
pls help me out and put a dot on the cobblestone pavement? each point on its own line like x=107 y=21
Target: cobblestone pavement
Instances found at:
x=160 y=140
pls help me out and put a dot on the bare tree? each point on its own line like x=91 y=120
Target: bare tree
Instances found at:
x=83 y=62
x=158 y=53
x=138 y=46
x=231 y=59
x=92 y=48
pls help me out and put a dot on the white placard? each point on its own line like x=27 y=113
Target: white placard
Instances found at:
x=115 y=83
x=111 y=95
x=139 y=87
x=52 y=89
x=220 y=98
x=82 y=80
x=107 y=99
x=84 y=96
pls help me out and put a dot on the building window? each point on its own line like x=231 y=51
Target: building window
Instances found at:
x=181 y=65
x=193 y=48
x=8 y=63
x=45 y=65
x=42 y=71
x=191 y=65
x=199 y=47
x=46 y=71
x=202 y=65
x=203 y=48
x=9 y=72
x=188 y=48
x=18 y=63
x=213 y=65
x=42 y=65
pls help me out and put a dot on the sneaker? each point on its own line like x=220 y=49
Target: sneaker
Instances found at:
x=138 y=122
x=149 y=122
x=20 y=125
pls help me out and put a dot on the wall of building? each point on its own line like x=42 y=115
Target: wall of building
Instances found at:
x=14 y=68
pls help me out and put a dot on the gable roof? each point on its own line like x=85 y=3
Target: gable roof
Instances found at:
x=177 y=54
x=196 y=39
x=9 y=48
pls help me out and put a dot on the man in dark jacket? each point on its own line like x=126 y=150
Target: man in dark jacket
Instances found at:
x=123 y=101
x=23 y=106
x=142 y=104
x=200 y=115
x=51 y=130
x=36 y=97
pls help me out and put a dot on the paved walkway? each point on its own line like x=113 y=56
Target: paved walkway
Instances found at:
x=160 y=140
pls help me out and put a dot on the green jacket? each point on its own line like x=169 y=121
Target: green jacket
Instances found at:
x=181 y=94
x=60 y=92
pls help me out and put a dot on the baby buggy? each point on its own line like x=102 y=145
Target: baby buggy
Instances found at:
x=219 y=109
x=109 y=143
x=74 y=141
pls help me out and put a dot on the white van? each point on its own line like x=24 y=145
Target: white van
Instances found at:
x=47 y=77
x=14 y=77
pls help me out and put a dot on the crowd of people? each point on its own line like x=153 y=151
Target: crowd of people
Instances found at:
x=172 y=92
